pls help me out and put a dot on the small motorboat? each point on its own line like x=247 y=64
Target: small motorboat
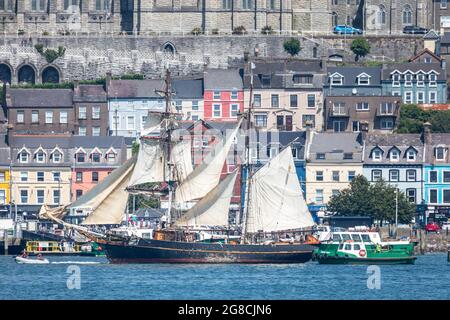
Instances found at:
x=28 y=260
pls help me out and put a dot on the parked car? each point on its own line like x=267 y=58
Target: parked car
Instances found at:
x=446 y=226
x=346 y=30
x=432 y=227
x=414 y=30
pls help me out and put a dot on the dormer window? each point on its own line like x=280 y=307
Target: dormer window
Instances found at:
x=40 y=156
x=80 y=155
x=440 y=153
x=111 y=155
x=433 y=78
x=95 y=157
x=394 y=155
x=411 y=155
x=336 y=79
x=396 y=79
x=408 y=79
x=420 y=79
x=363 y=79
x=23 y=156
x=56 y=157
x=377 y=155
x=265 y=81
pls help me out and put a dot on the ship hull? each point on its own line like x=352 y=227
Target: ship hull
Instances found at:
x=157 y=251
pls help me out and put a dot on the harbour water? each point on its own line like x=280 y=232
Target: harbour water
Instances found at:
x=429 y=278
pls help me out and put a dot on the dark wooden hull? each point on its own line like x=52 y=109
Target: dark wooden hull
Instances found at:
x=13 y=249
x=157 y=251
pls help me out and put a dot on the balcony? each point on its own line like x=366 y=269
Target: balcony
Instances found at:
x=338 y=111
x=387 y=110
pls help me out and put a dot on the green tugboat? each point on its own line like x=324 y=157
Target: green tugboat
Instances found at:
x=363 y=248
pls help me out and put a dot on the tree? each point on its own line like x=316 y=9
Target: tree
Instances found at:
x=374 y=200
x=360 y=47
x=292 y=46
x=412 y=119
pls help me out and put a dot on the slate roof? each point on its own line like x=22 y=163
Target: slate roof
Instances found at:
x=223 y=79
x=351 y=73
x=188 y=89
x=89 y=93
x=283 y=139
x=334 y=146
x=135 y=89
x=386 y=142
x=414 y=67
x=437 y=139
x=24 y=97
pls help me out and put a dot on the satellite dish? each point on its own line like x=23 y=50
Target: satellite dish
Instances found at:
x=354 y=91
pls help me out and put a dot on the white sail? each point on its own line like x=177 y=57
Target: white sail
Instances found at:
x=152 y=126
x=275 y=198
x=206 y=176
x=97 y=196
x=181 y=157
x=150 y=164
x=212 y=209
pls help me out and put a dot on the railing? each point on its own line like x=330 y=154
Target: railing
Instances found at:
x=339 y=112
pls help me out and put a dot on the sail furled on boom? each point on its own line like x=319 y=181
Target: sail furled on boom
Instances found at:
x=213 y=209
x=99 y=197
x=275 y=199
x=206 y=176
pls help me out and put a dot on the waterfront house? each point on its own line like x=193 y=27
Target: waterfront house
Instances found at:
x=397 y=159
x=39 y=111
x=436 y=176
x=350 y=113
x=40 y=170
x=91 y=110
x=5 y=183
x=416 y=82
x=224 y=94
x=287 y=95
x=333 y=160
x=352 y=81
x=188 y=98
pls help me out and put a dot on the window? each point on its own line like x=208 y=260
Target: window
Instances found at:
x=257 y=100
x=63 y=117
x=82 y=113
x=40 y=176
x=40 y=156
x=102 y=5
x=195 y=105
x=440 y=153
x=247 y=4
x=79 y=176
x=335 y=176
x=294 y=103
x=396 y=80
x=339 y=125
x=363 y=80
x=111 y=157
x=394 y=175
x=34 y=116
x=433 y=196
x=387 y=124
x=336 y=80
x=265 y=81
x=362 y=106
x=49 y=117
x=394 y=155
x=82 y=131
x=348 y=156
x=24 y=196
x=381 y=15
x=261 y=120
x=56 y=196
x=275 y=101
x=411 y=195
x=2 y=176
x=446 y=175
x=433 y=78
x=23 y=156
x=40 y=195
x=56 y=156
x=408 y=97
x=446 y=196
x=433 y=177
x=23 y=176
x=56 y=176
x=320 y=156
x=3 y=197
x=81 y=157
x=311 y=101
x=302 y=79
x=319 y=196
x=78 y=193
x=20 y=116
x=130 y=123
x=377 y=155
x=194 y=118
x=69 y=5
x=411 y=175
x=234 y=110
x=95 y=176
x=95 y=112
x=443 y=4
x=234 y=95
x=96 y=157
x=432 y=97
x=355 y=126
x=407 y=15
x=377 y=175
x=411 y=155
x=309 y=120
x=338 y=108
x=38 y=5
x=179 y=105
x=319 y=175
x=96 y=131
x=216 y=95
x=217 y=110
x=420 y=97
x=420 y=80
x=351 y=176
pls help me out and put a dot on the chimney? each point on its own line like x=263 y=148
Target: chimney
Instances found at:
x=323 y=63
x=443 y=64
x=427 y=133
x=107 y=81
x=76 y=83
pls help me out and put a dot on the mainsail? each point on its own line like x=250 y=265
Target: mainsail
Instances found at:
x=275 y=201
x=206 y=176
x=212 y=209
x=108 y=199
x=181 y=158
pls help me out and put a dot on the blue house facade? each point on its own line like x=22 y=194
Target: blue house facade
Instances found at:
x=418 y=83
x=351 y=81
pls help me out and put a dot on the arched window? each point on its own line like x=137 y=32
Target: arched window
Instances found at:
x=38 y=5
x=407 y=15
x=27 y=75
x=50 y=75
x=71 y=6
x=102 y=5
x=169 y=48
x=5 y=73
x=334 y=19
x=7 y=5
x=381 y=15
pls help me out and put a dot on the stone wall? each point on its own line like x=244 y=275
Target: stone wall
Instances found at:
x=91 y=58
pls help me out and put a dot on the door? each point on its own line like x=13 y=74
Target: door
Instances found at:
x=288 y=123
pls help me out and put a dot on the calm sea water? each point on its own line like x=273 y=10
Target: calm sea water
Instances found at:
x=429 y=278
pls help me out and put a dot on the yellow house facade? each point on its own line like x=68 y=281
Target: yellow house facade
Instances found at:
x=5 y=185
x=333 y=161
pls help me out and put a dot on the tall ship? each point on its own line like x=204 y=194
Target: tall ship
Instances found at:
x=274 y=223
